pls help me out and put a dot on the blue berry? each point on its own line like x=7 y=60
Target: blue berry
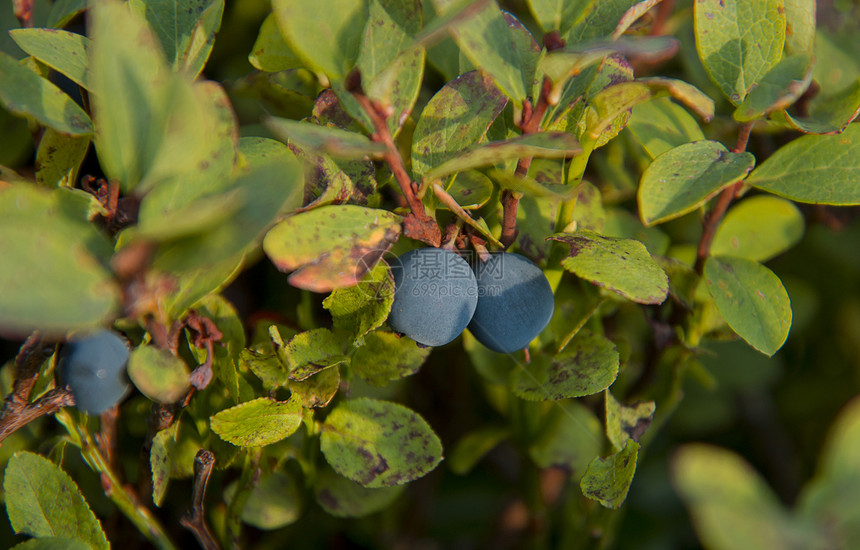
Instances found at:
x=94 y=370
x=515 y=303
x=435 y=295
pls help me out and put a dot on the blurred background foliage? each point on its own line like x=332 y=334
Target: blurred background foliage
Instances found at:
x=775 y=413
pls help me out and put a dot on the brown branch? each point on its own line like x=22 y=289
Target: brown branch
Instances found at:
x=420 y=226
x=195 y=518
x=712 y=220
x=106 y=438
x=29 y=360
x=49 y=403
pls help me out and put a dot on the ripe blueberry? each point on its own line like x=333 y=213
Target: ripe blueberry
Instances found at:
x=435 y=294
x=94 y=370
x=515 y=302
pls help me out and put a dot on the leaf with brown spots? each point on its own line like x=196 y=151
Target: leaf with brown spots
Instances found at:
x=624 y=423
x=607 y=480
x=331 y=246
x=378 y=443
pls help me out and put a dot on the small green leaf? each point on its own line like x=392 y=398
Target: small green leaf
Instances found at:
x=25 y=93
x=186 y=31
x=542 y=144
x=783 y=84
x=752 y=300
x=385 y=357
x=258 y=423
x=800 y=26
x=364 y=307
x=455 y=119
x=471 y=189
x=59 y=157
x=599 y=21
x=570 y=437
x=63 y=11
x=814 y=169
x=158 y=374
x=324 y=139
x=160 y=456
x=63 y=51
x=310 y=351
x=624 y=422
x=271 y=53
x=344 y=498
x=624 y=224
x=682 y=179
x=759 y=228
x=607 y=480
x=266 y=366
x=621 y=265
x=43 y=501
x=329 y=44
x=529 y=186
x=588 y=365
x=731 y=505
x=55 y=260
x=331 y=246
x=378 y=443
x=557 y=15
x=275 y=501
x=189 y=287
x=632 y=15
x=317 y=390
x=739 y=41
x=660 y=125
x=473 y=446
x=830 y=114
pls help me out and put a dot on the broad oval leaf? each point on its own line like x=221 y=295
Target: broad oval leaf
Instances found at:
x=759 y=228
x=682 y=179
x=557 y=15
x=158 y=374
x=331 y=246
x=52 y=543
x=814 y=169
x=599 y=20
x=43 y=501
x=623 y=266
x=344 y=498
x=751 y=299
x=624 y=422
x=385 y=357
x=378 y=443
x=271 y=53
x=365 y=306
x=23 y=92
x=587 y=365
x=570 y=436
x=275 y=501
x=739 y=41
x=59 y=157
x=258 y=423
x=61 y=50
x=783 y=84
x=660 y=124
x=799 y=26
x=608 y=479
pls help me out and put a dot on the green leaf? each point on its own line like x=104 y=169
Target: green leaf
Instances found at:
x=53 y=543
x=317 y=390
x=570 y=437
x=160 y=455
x=731 y=505
x=329 y=44
x=266 y=366
x=783 y=84
x=59 y=157
x=624 y=224
x=226 y=352
x=158 y=374
x=63 y=11
x=454 y=119
x=607 y=480
x=759 y=228
x=557 y=15
x=830 y=114
x=624 y=422
x=623 y=266
x=332 y=141
x=751 y=299
x=271 y=53
x=660 y=124
x=470 y=189
x=588 y=365
x=542 y=144
x=63 y=51
x=311 y=351
x=364 y=307
x=491 y=43
x=473 y=446
x=385 y=357
x=684 y=178
x=344 y=498
x=814 y=169
x=378 y=443
x=529 y=186
x=274 y=502
x=331 y=246
x=25 y=93
x=189 y=287
x=185 y=30
x=633 y=14
x=43 y=501
x=800 y=26
x=65 y=286
x=258 y=423
x=599 y=21
x=739 y=41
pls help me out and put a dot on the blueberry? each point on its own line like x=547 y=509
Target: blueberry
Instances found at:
x=94 y=370
x=435 y=294
x=515 y=303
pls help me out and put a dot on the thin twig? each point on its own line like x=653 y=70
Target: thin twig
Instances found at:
x=27 y=364
x=49 y=403
x=195 y=518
